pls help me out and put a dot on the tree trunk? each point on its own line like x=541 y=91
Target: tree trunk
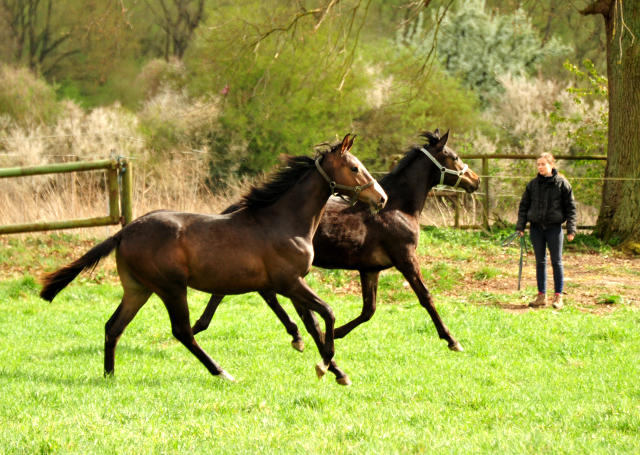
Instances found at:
x=620 y=210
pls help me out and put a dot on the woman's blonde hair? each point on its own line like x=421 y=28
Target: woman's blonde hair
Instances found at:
x=549 y=158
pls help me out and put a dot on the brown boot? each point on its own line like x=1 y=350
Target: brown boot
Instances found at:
x=541 y=300
x=557 y=301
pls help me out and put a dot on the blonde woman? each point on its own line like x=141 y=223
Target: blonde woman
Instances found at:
x=548 y=202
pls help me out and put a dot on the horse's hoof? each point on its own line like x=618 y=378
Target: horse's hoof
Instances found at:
x=321 y=369
x=344 y=381
x=298 y=345
x=456 y=347
x=226 y=376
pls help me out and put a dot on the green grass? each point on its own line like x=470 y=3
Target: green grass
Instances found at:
x=527 y=383
x=534 y=382
x=486 y=273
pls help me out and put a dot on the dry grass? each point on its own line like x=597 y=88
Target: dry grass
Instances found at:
x=170 y=163
x=175 y=180
x=175 y=183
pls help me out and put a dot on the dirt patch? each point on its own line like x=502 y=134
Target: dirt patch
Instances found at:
x=594 y=283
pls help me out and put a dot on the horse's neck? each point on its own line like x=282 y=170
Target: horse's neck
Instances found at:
x=409 y=190
x=303 y=205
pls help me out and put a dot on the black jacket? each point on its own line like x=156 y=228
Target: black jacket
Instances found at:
x=548 y=202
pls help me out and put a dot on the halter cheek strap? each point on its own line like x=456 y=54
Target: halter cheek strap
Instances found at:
x=334 y=186
x=444 y=170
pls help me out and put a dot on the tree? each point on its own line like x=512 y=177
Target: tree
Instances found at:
x=178 y=19
x=620 y=209
x=37 y=32
x=480 y=46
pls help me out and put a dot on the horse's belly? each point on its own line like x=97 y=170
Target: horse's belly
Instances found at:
x=232 y=279
x=352 y=258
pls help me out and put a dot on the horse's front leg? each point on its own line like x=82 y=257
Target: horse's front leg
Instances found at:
x=292 y=329
x=369 y=283
x=300 y=293
x=313 y=327
x=410 y=268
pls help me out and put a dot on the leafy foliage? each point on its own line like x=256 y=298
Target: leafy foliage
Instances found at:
x=590 y=132
x=479 y=46
x=25 y=98
x=287 y=96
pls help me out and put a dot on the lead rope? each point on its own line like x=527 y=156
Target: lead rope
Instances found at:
x=523 y=248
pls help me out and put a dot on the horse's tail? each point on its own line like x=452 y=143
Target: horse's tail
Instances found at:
x=56 y=281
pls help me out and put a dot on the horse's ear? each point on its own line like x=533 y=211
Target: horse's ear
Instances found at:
x=351 y=141
x=443 y=141
x=345 y=145
x=436 y=133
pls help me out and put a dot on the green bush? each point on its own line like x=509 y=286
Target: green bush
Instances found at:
x=292 y=92
x=272 y=105
x=25 y=98
x=158 y=75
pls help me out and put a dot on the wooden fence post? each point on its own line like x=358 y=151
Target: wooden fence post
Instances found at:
x=112 y=187
x=127 y=189
x=487 y=200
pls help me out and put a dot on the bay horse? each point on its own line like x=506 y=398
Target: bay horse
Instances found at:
x=265 y=245
x=352 y=238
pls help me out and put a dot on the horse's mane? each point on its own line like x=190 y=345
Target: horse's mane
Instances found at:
x=410 y=155
x=269 y=192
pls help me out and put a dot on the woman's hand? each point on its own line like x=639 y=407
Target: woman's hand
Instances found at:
x=521 y=233
x=570 y=237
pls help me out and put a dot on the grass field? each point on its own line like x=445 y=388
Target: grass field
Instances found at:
x=541 y=381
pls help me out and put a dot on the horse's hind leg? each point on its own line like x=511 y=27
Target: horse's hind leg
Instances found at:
x=410 y=268
x=176 y=303
x=134 y=298
x=270 y=297
x=292 y=329
x=203 y=322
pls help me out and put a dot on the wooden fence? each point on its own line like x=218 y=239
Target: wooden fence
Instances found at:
x=120 y=208
x=486 y=179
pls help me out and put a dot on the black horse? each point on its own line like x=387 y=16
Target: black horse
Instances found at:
x=353 y=238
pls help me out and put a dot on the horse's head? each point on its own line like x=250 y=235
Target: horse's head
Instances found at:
x=347 y=176
x=453 y=172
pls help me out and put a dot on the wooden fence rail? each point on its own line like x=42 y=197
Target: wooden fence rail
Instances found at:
x=115 y=168
x=486 y=178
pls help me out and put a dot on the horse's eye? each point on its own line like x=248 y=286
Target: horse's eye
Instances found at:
x=354 y=168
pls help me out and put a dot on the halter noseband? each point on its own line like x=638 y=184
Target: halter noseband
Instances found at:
x=333 y=185
x=444 y=170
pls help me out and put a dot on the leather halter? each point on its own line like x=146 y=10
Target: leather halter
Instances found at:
x=333 y=185
x=444 y=170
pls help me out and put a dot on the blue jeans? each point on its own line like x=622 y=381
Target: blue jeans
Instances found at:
x=553 y=239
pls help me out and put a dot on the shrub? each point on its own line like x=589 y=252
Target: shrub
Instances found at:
x=25 y=98
x=533 y=116
x=160 y=75
x=481 y=46
x=297 y=90
x=172 y=119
